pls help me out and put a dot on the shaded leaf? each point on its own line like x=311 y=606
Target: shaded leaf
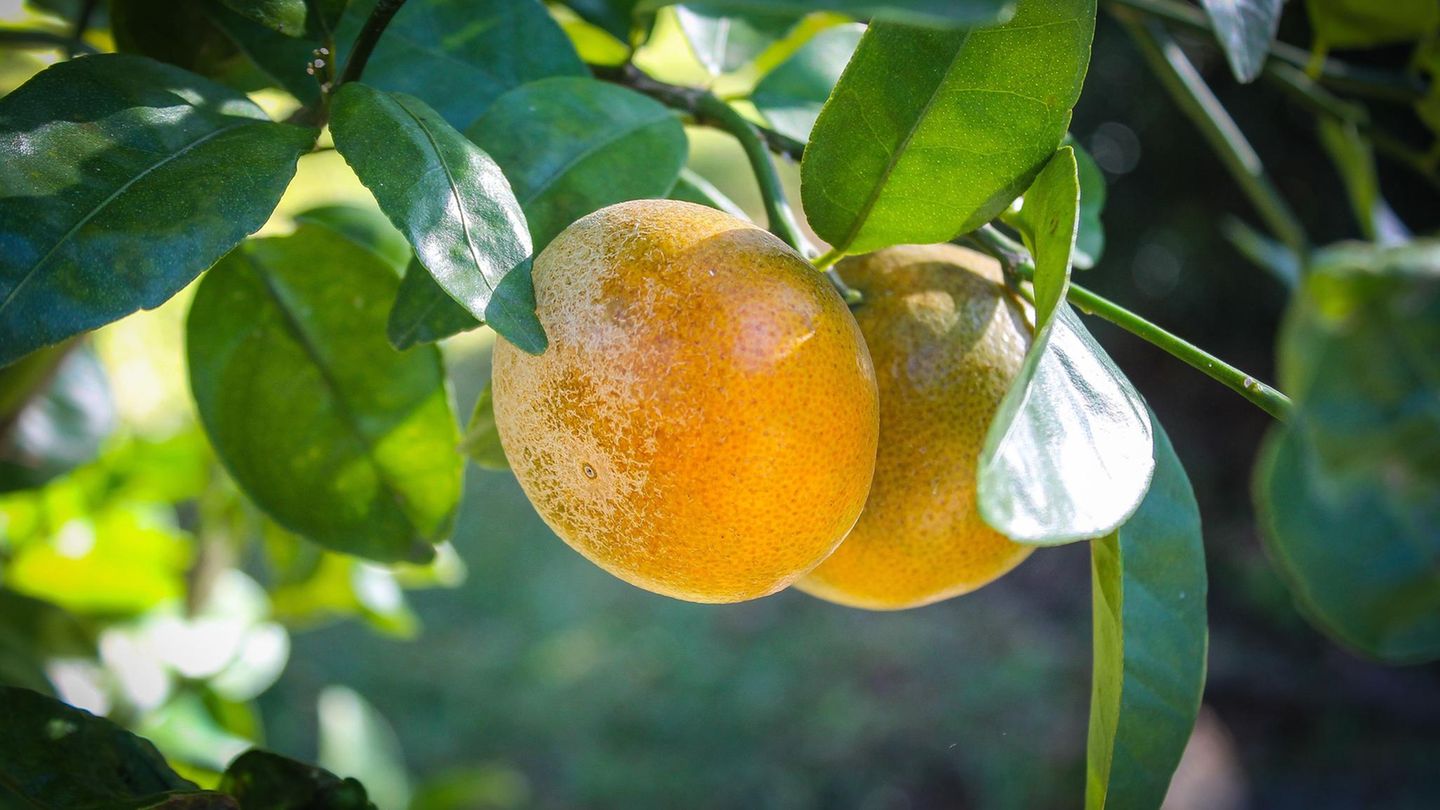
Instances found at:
x=285 y=16
x=460 y=55
x=1354 y=159
x=444 y=193
x=328 y=430
x=941 y=13
x=63 y=424
x=1245 y=30
x=261 y=780
x=931 y=133
x=111 y=165
x=424 y=312
x=1346 y=489
x=691 y=187
x=482 y=437
x=54 y=755
x=573 y=146
x=791 y=95
x=364 y=226
x=1150 y=640
x=726 y=41
x=1048 y=221
x=614 y=16
x=1366 y=23
x=281 y=59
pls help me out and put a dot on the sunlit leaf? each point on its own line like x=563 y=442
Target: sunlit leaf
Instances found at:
x=1354 y=158
x=725 y=41
x=791 y=95
x=930 y=133
x=110 y=167
x=1048 y=221
x=1150 y=642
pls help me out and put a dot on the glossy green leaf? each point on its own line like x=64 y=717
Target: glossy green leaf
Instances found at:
x=1069 y=453
x=482 y=437
x=332 y=433
x=573 y=146
x=444 y=193
x=1048 y=220
x=1090 y=238
x=1150 y=639
x=124 y=179
x=460 y=55
x=63 y=424
x=261 y=780
x=512 y=311
x=1367 y=23
x=791 y=95
x=1346 y=489
x=691 y=187
x=939 y=13
x=285 y=16
x=366 y=227
x=724 y=41
x=1354 y=159
x=424 y=312
x=931 y=133
x=1245 y=30
x=54 y=755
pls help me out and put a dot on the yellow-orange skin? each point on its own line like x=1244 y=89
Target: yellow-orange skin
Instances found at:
x=947 y=339
x=704 y=421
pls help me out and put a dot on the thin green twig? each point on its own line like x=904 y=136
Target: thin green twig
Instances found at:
x=1198 y=103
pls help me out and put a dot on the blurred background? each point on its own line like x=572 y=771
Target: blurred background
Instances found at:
x=512 y=673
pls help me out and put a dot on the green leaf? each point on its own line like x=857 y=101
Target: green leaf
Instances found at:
x=261 y=780
x=460 y=55
x=573 y=146
x=791 y=95
x=939 y=13
x=111 y=169
x=54 y=755
x=355 y=738
x=614 y=16
x=285 y=16
x=1366 y=23
x=1150 y=642
x=1245 y=30
x=725 y=41
x=1048 y=220
x=1354 y=159
x=62 y=426
x=931 y=133
x=444 y=193
x=34 y=632
x=482 y=437
x=1268 y=254
x=279 y=58
x=1069 y=453
x=424 y=312
x=330 y=432
x=1090 y=239
x=366 y=227
x=1346 y=489
x=512 y=311
x=691 y=187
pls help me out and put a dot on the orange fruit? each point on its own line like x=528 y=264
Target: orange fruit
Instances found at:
x=947 y=339
x=703 y=423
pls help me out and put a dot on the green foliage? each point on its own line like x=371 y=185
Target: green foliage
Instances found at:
x=1346 y=490
x=285 y=16
x=482 y=438
x=111 y=170
x=1365 y=24
x=332 y=433
x=1150 y=642
x=940 y=13
x=931 y=133
x=723 y=41
x=791 y=95
x=445 y=194
x=62 y=425
x=264 y=781
x=1090 y=238
x=1245 y=30
x=364 y=226
x=691 y=187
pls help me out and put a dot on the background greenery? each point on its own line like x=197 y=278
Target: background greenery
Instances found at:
x=530 y=678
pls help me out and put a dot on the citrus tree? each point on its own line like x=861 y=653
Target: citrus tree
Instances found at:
x=702 y=408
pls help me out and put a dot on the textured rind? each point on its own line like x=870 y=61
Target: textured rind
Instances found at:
x=704 y=422
x=947 y=339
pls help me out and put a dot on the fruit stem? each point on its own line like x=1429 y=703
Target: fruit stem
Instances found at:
x=1261 y=395
x=367 y=39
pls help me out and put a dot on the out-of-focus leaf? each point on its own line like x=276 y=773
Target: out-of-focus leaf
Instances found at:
x=355 y=739
x=261 y=780
x=446 y=195
x=1346 y=489
x=61 y=427
x=486 y=786
x=111 y=165
x=364 y=226
x=33 y=631
x=1150 y=642
x=614 y=16
x=791 y=95
x=190 y=734
x=340 y=587
x=691 y=187
x=1354 y=158
x=725 y=41
x=424 y=312
x=1366 y=23
x=573 y=146
x=931 y=133
x=937 y=13
x=332 y=433
x=1428 y=107
x=1245 y=30
x=460 y=55
x=285 y=16
x=1069 y=454
x=482 y=439
x=1265 y=252
x=1090 y=239
x=54 y=755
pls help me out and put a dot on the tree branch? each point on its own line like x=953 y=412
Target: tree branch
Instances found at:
x=367 y=39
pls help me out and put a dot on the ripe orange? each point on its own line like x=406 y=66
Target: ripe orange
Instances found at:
x=947 y=339
x=703 y=424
